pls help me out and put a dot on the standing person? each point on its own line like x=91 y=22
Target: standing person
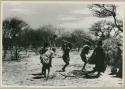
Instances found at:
x=66 y=47
x=46 y=60
x=119 y=56
x=83 y=53
x=99 y=58
x=42 y=51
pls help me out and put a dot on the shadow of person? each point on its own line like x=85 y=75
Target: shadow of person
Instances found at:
x=78 y=72
x=75 y=74
x=81 y=74
x=37 y=74
x=115 y=76
x=38 y=77
x=91 y=76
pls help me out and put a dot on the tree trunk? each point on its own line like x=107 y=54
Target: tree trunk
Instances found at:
x=114 y=17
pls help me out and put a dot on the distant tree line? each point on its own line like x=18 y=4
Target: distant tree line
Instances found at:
x=18 y=35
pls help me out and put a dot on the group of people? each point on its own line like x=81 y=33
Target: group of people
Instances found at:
x=46 y=55
x=97 y=58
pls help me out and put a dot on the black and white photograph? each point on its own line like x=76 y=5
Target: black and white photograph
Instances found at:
x=62 y=44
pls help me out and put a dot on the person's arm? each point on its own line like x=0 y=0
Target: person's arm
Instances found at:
x=52 y=55
x=40 y=51
x=94 y=53
x=84 y=59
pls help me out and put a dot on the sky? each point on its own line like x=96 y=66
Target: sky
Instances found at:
x=65 y=15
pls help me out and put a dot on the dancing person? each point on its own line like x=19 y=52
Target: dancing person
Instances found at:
x=99 y=60
x=83 y=53
x=66 y=47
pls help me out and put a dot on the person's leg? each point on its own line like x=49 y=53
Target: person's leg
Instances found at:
x=45 y=72
x=113 y=70
x=48 y=72
x=98 y=74
x=64 y=67
x=50 y=62
x=42 y=70
x=83 y=68
x=66 y=60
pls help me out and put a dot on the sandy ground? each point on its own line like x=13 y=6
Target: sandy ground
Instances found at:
x=19 y=73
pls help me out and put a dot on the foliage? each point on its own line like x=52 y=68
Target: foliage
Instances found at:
x=11 y=29
x=102 y=29
x=106 y=10
x=114 y=31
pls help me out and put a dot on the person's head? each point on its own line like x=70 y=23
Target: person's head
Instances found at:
x=53 y=49
x=88 y=43
x=86 y=48
x=99 y=43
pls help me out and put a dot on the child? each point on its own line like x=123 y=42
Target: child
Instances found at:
x=46 y=60
x=85 y=51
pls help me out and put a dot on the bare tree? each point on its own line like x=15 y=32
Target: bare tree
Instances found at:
x=106 y=10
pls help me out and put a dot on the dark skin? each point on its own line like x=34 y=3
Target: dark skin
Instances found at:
x=44 y=49
x=66 y=59
x=83 y=57
x=100 y=60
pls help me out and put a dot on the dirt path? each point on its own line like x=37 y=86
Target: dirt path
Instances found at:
x=20 y=73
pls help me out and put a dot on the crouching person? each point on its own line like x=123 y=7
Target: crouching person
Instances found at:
x=46 y=60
